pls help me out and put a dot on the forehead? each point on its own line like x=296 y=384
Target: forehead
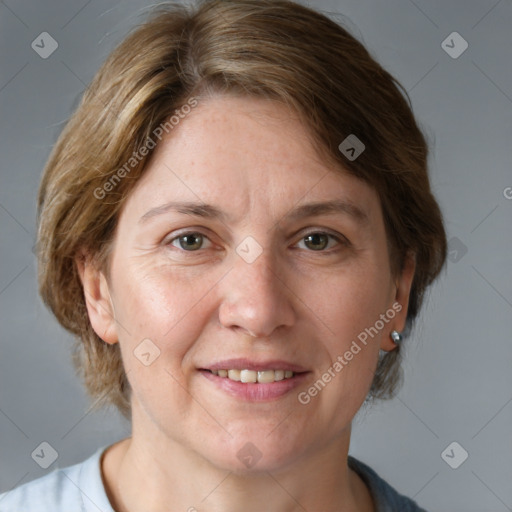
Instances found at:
x=244 y=153
x=225 y=132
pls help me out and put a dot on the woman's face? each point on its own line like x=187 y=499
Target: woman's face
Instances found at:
x=256 y=280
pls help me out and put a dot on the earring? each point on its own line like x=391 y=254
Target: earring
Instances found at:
x=396 y=337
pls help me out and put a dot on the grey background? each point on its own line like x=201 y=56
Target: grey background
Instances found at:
x=458 y=382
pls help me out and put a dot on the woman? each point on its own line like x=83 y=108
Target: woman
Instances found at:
x=237 y=225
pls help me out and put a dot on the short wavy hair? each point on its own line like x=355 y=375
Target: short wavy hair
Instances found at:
x=273 y=49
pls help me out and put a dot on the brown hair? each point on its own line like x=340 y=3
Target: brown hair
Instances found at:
x=273 y=49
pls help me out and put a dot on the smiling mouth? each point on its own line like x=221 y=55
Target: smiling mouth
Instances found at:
x=254 y=376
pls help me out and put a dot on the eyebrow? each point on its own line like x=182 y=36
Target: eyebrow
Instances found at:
x=335 y=206
x=204 y=210
x=209 y=211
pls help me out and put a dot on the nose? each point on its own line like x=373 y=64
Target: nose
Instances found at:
x=255 y=297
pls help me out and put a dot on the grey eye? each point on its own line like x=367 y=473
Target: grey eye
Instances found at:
x=189 y=241
x=319 y=241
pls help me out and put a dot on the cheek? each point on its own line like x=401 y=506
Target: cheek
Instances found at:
x=351 y=301
x=351 y=308
x=159 y=316
x=164 y=305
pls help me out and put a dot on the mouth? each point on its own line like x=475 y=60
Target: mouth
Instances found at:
x=253 y=376
x=249 y=380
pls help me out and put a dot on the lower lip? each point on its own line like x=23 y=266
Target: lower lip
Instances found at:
x=253 y=391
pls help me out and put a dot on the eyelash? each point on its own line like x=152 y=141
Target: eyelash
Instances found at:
x=340 y=239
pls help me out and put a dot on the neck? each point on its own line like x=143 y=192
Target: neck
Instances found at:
x=154 y=473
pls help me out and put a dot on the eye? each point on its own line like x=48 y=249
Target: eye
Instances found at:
x=191 y=241
x=319 y=240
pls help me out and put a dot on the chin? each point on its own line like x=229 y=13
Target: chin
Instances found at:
x=254 y=452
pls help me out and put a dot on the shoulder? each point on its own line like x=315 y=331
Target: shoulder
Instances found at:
x=385 y=497
x=74 y=488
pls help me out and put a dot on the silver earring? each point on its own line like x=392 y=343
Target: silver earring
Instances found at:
x=396 y=337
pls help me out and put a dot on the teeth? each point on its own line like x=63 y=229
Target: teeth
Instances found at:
x=252 y=376
x=278 y=374
x=234 y=375
x=248 y=376
x=266 y=376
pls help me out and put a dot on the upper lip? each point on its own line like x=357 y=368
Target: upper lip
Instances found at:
x=243 y=363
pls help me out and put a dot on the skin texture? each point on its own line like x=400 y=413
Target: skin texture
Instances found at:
x=252 y=159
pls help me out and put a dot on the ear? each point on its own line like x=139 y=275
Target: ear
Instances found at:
x=97 y=299
x=401 y=301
